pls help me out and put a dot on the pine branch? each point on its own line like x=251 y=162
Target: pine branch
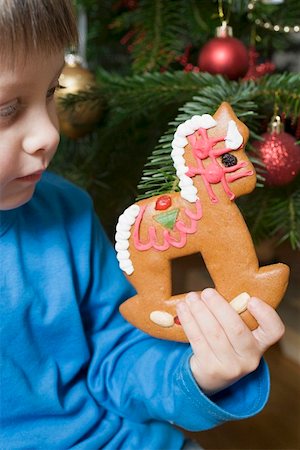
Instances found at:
x=283 y=215
x=139 y=96
x=284 y=89
x=157 y=27
x=274 y=212
x=150 y=93
x=143 y=95
x=253 y=208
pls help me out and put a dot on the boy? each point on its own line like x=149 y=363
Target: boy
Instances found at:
x=74 y=373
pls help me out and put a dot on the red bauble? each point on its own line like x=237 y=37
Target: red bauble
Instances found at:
x=281 y=157
x=298 y=129
x=225 y=55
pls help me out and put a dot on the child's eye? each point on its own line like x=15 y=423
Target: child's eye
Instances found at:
x=9 y=110
x=52 y=90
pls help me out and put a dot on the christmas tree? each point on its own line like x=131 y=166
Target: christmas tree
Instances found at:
x=156 y=63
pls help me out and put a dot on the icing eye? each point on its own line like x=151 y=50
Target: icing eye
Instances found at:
x=229 y=160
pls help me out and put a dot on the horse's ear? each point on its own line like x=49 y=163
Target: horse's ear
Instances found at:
x=223 y=115
x=226 y=109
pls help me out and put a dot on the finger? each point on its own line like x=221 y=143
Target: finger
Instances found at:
x=211 y=329
x=203 y=361
x=270 y=326
x=193 y=332
x=238 y=334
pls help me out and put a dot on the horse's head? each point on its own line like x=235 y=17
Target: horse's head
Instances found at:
x=212 y=149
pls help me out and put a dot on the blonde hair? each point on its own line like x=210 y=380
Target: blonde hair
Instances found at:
x=35 y=25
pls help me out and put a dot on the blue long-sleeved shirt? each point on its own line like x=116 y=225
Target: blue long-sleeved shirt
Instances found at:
x=74 y=374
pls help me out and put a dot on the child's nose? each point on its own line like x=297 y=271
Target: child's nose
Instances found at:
x=42 y=135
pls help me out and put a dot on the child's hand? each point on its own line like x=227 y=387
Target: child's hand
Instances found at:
x=224 y=349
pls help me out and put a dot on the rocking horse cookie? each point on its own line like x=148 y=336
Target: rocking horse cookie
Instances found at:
x=213 y=169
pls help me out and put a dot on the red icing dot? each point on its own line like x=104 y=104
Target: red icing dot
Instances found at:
x=163 y=202
x=177 y=321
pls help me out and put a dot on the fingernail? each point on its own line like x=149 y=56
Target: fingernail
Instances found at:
x=208 y=293
x=191 y=297
x=253 y=302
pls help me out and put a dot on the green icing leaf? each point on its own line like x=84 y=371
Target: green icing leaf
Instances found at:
x=167 y=219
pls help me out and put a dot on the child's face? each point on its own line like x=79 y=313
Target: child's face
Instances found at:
x=28 y=125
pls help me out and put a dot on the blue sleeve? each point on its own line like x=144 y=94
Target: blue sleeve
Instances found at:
x=142 y=378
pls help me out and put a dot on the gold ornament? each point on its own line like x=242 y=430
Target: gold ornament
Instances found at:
x=77 y=121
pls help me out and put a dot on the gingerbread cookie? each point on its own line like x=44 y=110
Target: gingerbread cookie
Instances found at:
x=213 y=169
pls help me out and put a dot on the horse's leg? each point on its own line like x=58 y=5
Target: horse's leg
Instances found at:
x=231 y=260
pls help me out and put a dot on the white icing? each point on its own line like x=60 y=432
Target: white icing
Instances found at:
x=178 y=160
x=233 y=139
x=205 y=121
x=181 y=170
x=177 y=151
x=208 y=121
x=179 y=142
x=130 y=214
x=181 y=130
x=123 y=221
x=126 y=267
x=196 y=122
x=122 y=255
x=122 y=234
x=135 y=209
x=126 y=220
x=121 y=227
x=125 y=263
x=190 y=194
x=185 y=181
x=162 y=318
x=189 y=124
x=122 y=245
x=184 y=129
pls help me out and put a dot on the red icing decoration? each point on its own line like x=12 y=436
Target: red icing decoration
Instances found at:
x=163 y=202
x=177 y=321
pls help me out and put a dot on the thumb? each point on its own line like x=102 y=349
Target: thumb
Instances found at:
x=270 y=326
